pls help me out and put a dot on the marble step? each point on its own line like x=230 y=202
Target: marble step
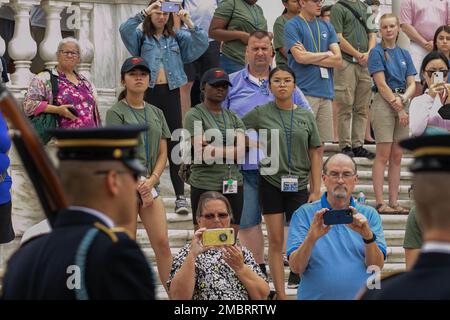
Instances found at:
x=184 y=222
x=395 y=254
x=178 y=238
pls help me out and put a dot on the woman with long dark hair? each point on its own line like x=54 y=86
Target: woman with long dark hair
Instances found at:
x=166 y=47
x=299 y=159
x=152 y=152
x=441 y=41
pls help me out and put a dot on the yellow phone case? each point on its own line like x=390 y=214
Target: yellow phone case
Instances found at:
x=218 y=237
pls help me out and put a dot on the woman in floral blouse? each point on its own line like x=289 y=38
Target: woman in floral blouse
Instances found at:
x=75 y=103
x=215 y=273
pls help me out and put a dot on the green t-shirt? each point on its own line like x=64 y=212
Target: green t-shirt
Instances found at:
x=305 y=136
x=121 y=113
x=278 y=39
x=211 y=176
x=345 y=22
x=413 y=232
x=242 y=17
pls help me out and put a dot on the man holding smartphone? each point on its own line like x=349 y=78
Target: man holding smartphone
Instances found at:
x=314 y=249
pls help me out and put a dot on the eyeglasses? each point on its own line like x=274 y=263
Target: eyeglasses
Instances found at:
x=279 y=82
x=212 y=216
x=135 y=175
x=430 y=72
x=69 y=53
x=336 y=175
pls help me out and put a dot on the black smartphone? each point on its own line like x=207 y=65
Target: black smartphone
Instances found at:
x=344 y=216
x=73 y=111
x=444 y=112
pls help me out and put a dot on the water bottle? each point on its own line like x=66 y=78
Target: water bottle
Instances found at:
x=361 y=198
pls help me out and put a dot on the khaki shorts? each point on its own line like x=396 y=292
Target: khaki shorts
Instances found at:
x=324 y=117
x=385 y=123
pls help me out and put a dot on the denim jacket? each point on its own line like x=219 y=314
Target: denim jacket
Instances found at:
x=187 y=46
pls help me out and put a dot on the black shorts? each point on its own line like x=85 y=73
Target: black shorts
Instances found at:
x=6 y=229
x=236 y=202
x=208 y=60
x=272 y=200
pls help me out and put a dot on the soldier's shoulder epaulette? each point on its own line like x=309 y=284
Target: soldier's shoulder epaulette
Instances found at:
x=120 y=230
x=108 y=231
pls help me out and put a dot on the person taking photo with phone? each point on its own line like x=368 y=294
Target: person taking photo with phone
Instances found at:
x=429 y=113
x=393 y=72
x=131 y=109
x=283 y=190
x=216 y=272
x=332 y=260
x=157 y=37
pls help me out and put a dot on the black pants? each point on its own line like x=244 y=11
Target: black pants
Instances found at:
x=236 y=202
x=6 y=229
x=169 y=102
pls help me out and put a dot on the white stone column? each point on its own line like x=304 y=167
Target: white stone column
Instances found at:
x=2 y=42
x=22 y=48
x=48 y=46
x=84 y=37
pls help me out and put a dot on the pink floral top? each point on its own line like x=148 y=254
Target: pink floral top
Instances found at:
x=81 y=97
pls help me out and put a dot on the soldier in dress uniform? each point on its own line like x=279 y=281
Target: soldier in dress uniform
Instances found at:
x=85 y=256
x=430 y=276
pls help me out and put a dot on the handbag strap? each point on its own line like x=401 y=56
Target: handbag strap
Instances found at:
x=355 y=14
x=54 y=84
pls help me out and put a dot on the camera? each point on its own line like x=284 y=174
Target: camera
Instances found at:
x=218 y=237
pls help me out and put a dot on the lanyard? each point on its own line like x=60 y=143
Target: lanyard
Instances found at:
x=252 y=13
x=311 y=33
x=288 y=139
x=217 y=124
x=145 y=133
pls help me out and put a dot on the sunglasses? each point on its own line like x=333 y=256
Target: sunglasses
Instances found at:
x=212 y=216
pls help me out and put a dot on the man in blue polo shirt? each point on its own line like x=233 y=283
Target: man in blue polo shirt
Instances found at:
x=313 y=52
x=333 y=261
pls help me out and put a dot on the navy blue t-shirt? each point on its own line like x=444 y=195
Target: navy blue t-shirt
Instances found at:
x=308 y=76
x=5 y=144
x=397 y=67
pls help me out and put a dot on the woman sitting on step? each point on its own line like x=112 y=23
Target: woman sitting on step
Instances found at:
x=217 y=272
x=152 y=148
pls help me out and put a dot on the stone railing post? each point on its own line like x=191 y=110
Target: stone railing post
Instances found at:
x=84 y=36
x=2 y=42
x=48 y=46
x=22 y=48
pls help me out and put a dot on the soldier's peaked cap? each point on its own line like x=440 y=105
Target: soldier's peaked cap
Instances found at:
x=101 y=144
x=431 y=153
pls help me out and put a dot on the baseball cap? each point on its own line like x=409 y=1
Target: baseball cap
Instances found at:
x=134 y=63
x=215 y=75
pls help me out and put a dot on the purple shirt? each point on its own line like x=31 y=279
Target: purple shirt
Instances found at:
x=245 y=95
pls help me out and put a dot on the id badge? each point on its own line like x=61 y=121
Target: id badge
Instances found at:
x=289 y=184
x=230 y=186
x=324 y=73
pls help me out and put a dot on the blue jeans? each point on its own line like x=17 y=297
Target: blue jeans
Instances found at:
x=251 y=211
x=229 y=65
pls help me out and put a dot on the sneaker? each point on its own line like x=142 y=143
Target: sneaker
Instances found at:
x=293 y=280
x=181 y=205
x=363 y=153
x=285 y=261
x=348 y=151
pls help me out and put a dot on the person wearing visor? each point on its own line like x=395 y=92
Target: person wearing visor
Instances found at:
x=218 y=137
x=86 y=256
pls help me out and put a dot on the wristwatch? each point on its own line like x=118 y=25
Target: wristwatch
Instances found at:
x=374 y=237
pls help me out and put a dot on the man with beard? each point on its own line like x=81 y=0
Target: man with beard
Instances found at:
x=334 y=260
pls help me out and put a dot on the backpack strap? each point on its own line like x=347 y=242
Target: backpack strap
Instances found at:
x=54 y=84
x=355 y=14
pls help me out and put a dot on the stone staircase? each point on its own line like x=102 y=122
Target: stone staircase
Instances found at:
x=181 y=229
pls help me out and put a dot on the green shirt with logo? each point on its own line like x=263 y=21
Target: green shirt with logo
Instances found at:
x=211 y=176
x=305 y=135
x=240 y=16
x=122 y=114
x=345 y=22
